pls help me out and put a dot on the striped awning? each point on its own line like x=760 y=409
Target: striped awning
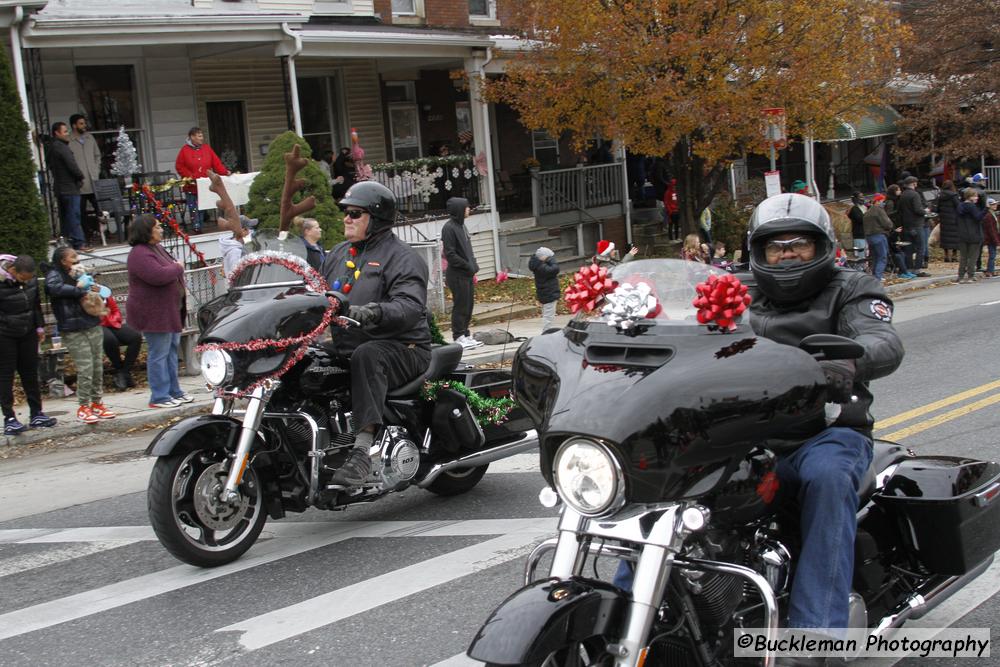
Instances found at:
x=877 y=122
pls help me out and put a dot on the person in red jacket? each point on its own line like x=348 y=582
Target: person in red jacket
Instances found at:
x=117 y=333
x=672 y=210
x=193 y=161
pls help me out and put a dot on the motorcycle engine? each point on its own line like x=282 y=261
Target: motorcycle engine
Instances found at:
x=400 y=456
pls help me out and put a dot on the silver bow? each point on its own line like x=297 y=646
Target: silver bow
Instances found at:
x=629 y=304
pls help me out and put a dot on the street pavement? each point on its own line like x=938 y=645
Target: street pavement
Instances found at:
x=403 y=581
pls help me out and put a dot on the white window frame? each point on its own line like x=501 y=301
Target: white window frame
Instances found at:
x=146 y=149
x=405 y=106
x=416 y=17
x=488 y=19
x=339 y=132
x=337 y=7
x=544 y=142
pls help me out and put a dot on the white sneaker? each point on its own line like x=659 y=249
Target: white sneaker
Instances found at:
x=468 y=342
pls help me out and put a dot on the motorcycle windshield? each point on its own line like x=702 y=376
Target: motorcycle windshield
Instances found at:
x=671 y=282
x=260 y=275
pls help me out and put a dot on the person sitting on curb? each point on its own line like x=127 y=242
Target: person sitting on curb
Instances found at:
x=22 y=328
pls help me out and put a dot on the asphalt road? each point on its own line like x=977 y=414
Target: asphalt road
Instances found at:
x=404 y=581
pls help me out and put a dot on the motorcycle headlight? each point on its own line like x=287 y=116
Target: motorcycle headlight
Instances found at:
x=589 y=478
x=216 y=367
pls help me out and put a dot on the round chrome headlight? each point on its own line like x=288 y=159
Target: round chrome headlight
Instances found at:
x=588 y=477
x=216 y=367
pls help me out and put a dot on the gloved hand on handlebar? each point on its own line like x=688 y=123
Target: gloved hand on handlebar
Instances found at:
x=365 y=315
x=839 y=379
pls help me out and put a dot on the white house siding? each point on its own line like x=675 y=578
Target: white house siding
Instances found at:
x=363 y=99
x=482 y=248
x=171 y=102
x=257 y=82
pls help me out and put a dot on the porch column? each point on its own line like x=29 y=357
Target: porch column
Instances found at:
x=475 y=68
x=810 y=167
x=293 y=82
x=17 y=65
x=626 y=202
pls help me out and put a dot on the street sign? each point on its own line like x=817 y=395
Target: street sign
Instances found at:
x=774 y=127
x=772 y=182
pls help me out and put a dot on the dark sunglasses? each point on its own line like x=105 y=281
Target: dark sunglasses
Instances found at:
x=354 y=214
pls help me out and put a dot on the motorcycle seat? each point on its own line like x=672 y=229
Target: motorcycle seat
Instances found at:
x=444 y=359
x=884 y=455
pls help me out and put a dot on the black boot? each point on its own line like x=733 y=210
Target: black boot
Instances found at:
x=129 y=380
x=355 y=470
x=121 y=380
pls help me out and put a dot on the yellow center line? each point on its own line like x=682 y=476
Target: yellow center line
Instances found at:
x=937 y=405
x=942 y=418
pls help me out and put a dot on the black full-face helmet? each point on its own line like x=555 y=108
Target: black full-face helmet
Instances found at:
x=375 y=198
x=791 y=281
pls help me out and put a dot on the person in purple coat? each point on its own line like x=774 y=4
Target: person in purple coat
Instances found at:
x=156 y=307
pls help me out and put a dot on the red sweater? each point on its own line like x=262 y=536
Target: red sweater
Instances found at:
x=195 y=163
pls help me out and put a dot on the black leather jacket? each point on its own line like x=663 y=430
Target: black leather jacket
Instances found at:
x=20 y=308
x=853 y=305
x=65 y=296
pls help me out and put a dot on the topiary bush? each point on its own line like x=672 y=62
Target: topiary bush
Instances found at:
x=729 y=222
x=265 y=193
x=24 y=226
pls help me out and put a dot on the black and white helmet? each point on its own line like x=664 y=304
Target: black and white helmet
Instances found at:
x=790 y=282
x=375 y=198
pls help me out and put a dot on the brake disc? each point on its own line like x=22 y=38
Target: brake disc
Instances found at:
x=211 y=511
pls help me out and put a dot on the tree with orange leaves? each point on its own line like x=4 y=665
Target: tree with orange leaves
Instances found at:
x=690 y=77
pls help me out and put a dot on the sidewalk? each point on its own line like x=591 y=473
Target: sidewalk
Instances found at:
x=134 y=415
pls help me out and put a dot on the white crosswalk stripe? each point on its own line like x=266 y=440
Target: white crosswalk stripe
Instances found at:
x=33 y=561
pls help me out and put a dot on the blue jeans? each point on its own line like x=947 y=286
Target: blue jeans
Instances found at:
x=825 y=473
x=161 y=365
x=991 y=260
x=69 y=220
x=927 y=246
x=878 y=253
x=193 y=211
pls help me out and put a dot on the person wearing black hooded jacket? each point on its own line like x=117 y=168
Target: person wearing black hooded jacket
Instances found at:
x=393 y=344
x=800 y=291
x=462 y=268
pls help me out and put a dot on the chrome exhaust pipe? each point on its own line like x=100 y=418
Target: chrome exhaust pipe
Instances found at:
x=529 y=441
x=922 y=601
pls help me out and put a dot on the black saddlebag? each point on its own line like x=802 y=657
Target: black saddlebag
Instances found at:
x=453 y=424
x=947 y=509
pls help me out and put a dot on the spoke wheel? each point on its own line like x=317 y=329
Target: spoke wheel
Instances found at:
x=188 y=517
x=589 y=653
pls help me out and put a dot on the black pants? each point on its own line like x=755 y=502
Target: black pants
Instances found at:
x=20 y=354
x=114 y=339
x=915 y=251
x=376 y=367
x=90 y=224
x=461 y=312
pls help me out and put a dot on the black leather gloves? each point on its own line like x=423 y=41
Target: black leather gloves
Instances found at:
x=366 y=315
x=839 y=379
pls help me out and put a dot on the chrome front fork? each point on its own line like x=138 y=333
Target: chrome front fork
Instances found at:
x=251 y=422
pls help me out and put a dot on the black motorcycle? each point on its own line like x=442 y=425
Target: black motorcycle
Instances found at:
x=272 y=449
x=679 y=480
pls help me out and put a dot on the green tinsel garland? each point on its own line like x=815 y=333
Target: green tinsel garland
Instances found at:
x=436 y=336
x=487 y=410
x=430 y=162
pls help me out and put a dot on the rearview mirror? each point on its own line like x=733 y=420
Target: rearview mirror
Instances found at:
x=831 y=346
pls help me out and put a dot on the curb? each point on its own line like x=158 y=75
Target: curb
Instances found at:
x=101 y=430
x=919 y=283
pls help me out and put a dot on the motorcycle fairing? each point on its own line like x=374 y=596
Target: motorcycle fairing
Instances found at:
x=545 y=616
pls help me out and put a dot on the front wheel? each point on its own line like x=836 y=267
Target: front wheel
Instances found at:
x=188 y=517
x=458 y=481
x=588 y=653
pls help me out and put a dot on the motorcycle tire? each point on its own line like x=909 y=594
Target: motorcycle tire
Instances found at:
x=457 y=482
x=588 y=653
x=176 y=514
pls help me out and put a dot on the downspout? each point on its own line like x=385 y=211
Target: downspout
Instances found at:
x=810 y=166
x=626 y=201
x=293 y=82
x=18 y=67
x=491 y=185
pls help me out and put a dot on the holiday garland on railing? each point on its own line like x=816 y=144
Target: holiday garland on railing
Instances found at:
x=488 y=411
x=429 y=162
x=314 y=281
x=166 y=214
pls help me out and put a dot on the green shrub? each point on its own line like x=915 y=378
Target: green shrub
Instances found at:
x=24 y=226
x=729 y=222
x=265 y=193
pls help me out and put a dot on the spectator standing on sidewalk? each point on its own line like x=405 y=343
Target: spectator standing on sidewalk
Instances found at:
x=81 y=333
x=947 y=209
x=991 y=236
x=912 y=218
x=970 y=235
x=21 y=331
x=156 y=308
x=87 y=154
x=66 y=180
x=193 y=161
x=877 y=227
x=311 y=234
x=116 y=333
x=857 y=217
x=461 y=271
x=543 y=265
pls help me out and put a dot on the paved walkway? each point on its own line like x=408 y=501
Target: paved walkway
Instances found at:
x=134 y=415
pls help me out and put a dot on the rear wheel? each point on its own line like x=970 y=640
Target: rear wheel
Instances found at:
x=456 y=482
x=188 y=517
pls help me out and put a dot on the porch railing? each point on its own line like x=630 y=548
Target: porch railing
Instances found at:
x=577 y=189
x=423 y=186
x=992 y=174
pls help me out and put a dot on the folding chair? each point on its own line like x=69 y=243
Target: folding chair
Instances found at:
x=110 y=200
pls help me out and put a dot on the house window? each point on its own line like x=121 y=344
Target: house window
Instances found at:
x=332 y=7
x=107 y=95
x=404 y=127
x=545 y=149
x=483 y=9
x=404 y=7
x=322 y=115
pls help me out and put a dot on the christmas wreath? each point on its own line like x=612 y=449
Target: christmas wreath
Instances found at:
x=488 y=411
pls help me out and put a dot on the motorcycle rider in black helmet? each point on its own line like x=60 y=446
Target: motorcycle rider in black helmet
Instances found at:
x=800 y=291
x=392 y=345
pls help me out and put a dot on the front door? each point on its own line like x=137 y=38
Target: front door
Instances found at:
x=227 y=134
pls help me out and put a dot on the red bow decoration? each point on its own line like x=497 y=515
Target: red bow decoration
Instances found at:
x=720 y=301
x=590 y=284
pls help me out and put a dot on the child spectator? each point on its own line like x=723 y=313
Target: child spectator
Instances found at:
x=117 y=333
x=21 y=330
x=694 y=250
x=991 y=236
x=543 y=265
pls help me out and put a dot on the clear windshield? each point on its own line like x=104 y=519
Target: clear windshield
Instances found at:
x=266 y=240
x=671 y=282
